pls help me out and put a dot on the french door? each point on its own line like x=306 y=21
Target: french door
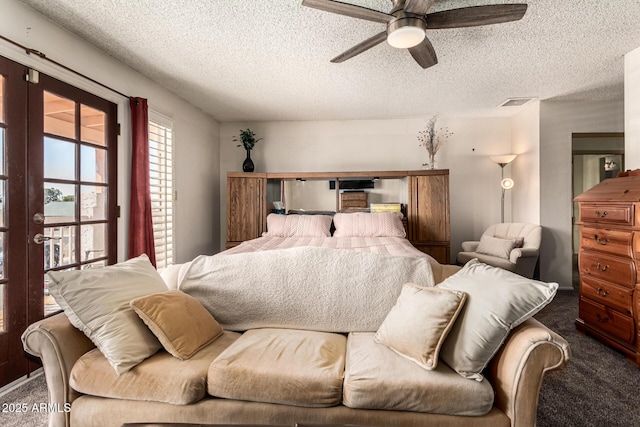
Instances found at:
x=57 y=193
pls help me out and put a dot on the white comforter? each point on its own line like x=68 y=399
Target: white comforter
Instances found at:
x=311 y=288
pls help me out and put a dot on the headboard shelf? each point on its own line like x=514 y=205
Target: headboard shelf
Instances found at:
x=425 y=193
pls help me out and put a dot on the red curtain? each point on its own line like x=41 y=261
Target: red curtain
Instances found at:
x=140 y=223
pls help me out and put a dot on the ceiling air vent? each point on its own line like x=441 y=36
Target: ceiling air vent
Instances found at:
x=515 y=102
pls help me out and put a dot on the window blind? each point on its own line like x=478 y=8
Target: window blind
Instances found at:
x=161 y=183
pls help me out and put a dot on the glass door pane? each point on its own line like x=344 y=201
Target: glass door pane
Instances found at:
x=78 y=149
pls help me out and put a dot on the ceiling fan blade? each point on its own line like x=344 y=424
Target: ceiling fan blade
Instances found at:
x=419 y=7
x=361 y=47
x=424 y=54
x=476 y=15
x=348 y=10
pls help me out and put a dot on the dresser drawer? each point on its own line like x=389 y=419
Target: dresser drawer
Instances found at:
x=617 y=242
x=616 y=297
x=610 y=321
x=610 y=268
x=611 y=214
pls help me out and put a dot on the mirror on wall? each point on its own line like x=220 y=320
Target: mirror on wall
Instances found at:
x=321 y=195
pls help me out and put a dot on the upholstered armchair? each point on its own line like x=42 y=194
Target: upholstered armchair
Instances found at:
x=512 y=246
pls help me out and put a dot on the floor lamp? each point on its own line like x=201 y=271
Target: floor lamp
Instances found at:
x=505 y=183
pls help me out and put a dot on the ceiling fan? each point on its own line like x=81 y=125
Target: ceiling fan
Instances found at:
x=408 y=20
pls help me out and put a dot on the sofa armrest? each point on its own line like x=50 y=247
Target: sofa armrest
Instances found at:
x=58 y=344
x=470 y=246
x=522 y=253
x=517 y=370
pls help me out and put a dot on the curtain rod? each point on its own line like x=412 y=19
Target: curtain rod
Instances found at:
x=41 y=55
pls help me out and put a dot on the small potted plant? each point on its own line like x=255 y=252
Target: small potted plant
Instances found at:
x=247 y=140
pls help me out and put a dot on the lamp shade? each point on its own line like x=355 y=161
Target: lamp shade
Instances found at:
x=503 y=159
x=507 y=183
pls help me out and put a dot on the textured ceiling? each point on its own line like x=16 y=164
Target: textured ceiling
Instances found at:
x=255 y=60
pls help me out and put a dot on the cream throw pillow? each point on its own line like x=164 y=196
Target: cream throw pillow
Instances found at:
x=495 y=247
x=180 y=322
x=417 y=325
x=497 y=301
x=96 y=301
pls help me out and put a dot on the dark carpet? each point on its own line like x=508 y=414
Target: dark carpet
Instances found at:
x=598 y=387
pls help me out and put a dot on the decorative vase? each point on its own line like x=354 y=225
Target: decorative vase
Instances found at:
x=431 y=164
x=247 y=165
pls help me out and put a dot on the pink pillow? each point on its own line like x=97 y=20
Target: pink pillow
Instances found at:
x=362 y=224
x=298 y=225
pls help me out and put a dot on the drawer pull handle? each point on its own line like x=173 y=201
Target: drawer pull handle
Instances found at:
x=602 y=319
x=601 y=214
x=600 y=241
x=602 y=268
x=601 y=293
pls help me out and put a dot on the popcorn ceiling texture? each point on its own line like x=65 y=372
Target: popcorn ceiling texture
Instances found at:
x=251 y=60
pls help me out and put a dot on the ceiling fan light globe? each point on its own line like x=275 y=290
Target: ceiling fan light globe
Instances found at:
x=406 y=37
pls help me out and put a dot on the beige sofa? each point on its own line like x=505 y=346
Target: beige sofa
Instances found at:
x=165 y=389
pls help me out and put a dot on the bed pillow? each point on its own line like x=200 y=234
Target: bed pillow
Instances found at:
x=363 y=224
x=179 y=321
x=417 y=325
x=497 y=301
x=96 y=301
x=298 y=225
x=495 y=247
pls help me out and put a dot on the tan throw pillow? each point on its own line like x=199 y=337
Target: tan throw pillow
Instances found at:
x=495 y=247
x=417 y=325
x=497 y=301
x=96 y=301
x=180 y=322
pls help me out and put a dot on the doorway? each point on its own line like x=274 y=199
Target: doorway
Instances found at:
x=57 y=197
x=595 y=157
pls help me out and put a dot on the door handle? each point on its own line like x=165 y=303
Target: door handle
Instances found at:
x=41 y=238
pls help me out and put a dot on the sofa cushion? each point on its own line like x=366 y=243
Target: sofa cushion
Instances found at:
x=465 y=257
x=378 y=378
x=160 y=378
x=180 y=322
x=497 y=301
x=286 y=366
x=96 y=301
x=417 y=325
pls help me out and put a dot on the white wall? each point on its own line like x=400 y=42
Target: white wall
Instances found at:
x=362 y=145
x=196 y=135
x=526 y=167
x=558 y=120
x=632 y=109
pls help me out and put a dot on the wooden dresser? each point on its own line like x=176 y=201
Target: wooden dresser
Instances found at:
x=609 y=262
